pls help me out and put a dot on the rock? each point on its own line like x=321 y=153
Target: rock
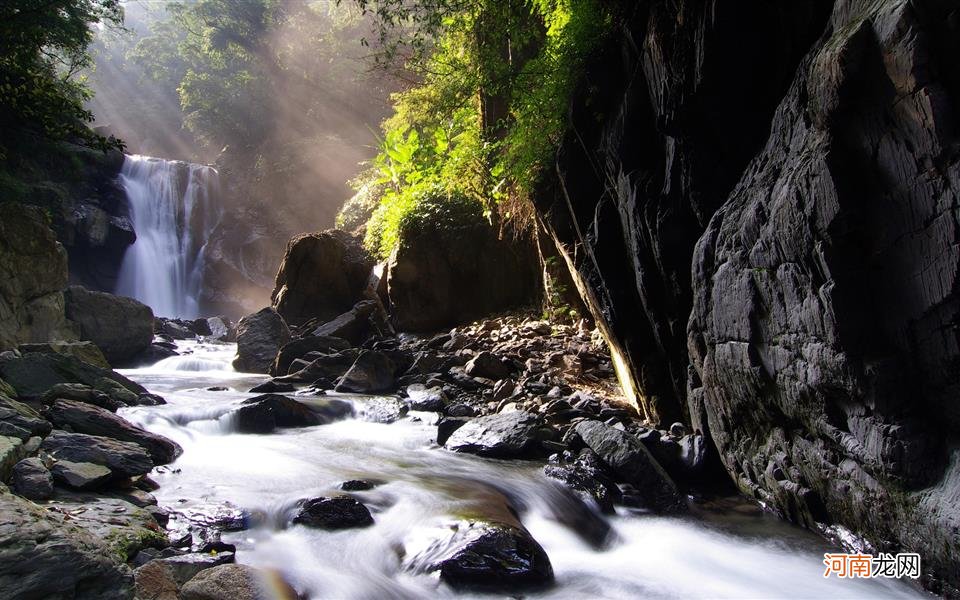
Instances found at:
x=121 y=327
x=33 y=374
x=486 y=556
x=162 y=578
x=420 y=397
x=88 y=352
x=371 y=373
x=677 y=430
x=32 y=480
x=81 y=475
x=504 y=435
x=221 y=329
x=435 y=279
x=11 y=452
x=236 y=582
x=80 y=393
x=125 y=529
x=381 y=409
x=259 y=338
x=86 y=418
x=298 y=348
x=42 y=555
x=322 y=275
x=589 y=482
x=632 y=462
x=263 y=414
x=353 y=325
x=33 y=273
x=357 y=485
x=460 y=409
x=23 y=417
x=124 y=459
x=446 y=426
x=339 y=512
x=324 y=366
x=272 y=387
x=487 y=365
x=151 y=355
x=693 y=454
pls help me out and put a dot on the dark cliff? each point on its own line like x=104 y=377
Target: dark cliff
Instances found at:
x=758 y=201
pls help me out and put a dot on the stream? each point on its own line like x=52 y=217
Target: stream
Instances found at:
x=725 y=549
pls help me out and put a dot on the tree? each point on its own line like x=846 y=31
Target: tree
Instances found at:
x=43 y=47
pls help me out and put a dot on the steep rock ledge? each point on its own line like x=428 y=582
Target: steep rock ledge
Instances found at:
x=823 y=333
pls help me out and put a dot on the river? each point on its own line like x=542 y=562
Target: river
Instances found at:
x=725 y=549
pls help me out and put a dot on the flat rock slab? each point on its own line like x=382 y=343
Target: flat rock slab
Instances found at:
x=124 y=459
x=33 y=374
x=503 y=435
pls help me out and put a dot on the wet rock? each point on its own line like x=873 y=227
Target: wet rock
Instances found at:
x=221 y=329
x=176 y=329
x=263 y=414
x=33 y=374
x=236 y=582
x=504 y=435
x=487 y=365
x=632 y=462
x=32 y=480
x=121 y=327
x=272 y=387
x=124 y=528
x=446 y=426
x=124 y=459
x=86 y=418
x=81 y=475
x=324 y=366
x=420 y=397
x=385 y=409
x=152 y=354
x=588 y=482
x=259 y=338
x=693 y=454
x=357 y=485
x=373 y=372
x=300 y=347
x=486 y=556
x=339 y=512
x=461 y=409
x=88 y=352
x=353 y=325
x=43 y=555
x=162 y=578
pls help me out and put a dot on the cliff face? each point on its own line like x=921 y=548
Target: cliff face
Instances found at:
x=759 y=200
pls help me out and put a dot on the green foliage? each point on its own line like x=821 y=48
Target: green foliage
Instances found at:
x=43 y=46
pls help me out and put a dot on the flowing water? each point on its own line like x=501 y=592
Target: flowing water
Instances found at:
x=174 y=207
x=725 y=551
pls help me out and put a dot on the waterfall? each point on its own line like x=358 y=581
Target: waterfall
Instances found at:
x=174 y=206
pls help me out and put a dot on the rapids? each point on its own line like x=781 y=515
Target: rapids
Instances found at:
x=726 y=549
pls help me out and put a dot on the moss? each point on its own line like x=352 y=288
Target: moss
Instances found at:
x=123 y=544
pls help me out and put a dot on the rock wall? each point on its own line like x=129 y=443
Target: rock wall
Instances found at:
x=33 y=273
x=764 y=225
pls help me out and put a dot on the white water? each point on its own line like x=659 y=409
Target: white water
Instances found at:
x=174 y=207
x=730 y=552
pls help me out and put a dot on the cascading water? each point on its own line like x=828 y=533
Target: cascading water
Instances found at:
x=174 y=206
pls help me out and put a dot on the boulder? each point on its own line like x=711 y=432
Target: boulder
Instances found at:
x=420 y=397
x=381 y=409
x=298 y=348
x=353 y=325
x=322 y=275
x=443 y=275
x=33 y=374
x=486 y=364
x=87 y=418
x=492 y=557
x=259 y=339
x=33 y=273
x=81 y=393
x=263 y=414
x=22 y=416
x=630 y=460
x=81 y=475
x=503 y=435
x=325 y=366
x=373 y=372
x=12 y=450
x=32 y=480
x=237 y=582
x=124 y=459
x=44 y=555
x=162 y=578
x=88 y=352
x=339 y=512
x=121 y=327
x=272 y=387
x=124 y=528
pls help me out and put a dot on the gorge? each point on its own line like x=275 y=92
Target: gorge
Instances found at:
x=543 y=299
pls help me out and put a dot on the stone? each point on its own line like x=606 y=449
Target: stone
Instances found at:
x=23 y=417
x=125 y=529
x=81 y=475
x=272 y=387
x=487 y=365
x=32 y=480
x=503 y=435
x=381 y=409
x=373 y=372
x=121 y=327
x=259 y=338
x=162 y=578
x=11 y=452
x=33 y=274
x=446 y=426
x=263 y=414
x=632 y=462
x=353 y=325
x=324 y=366
x=33 y=374
x=86 y=351
x=87 y=418
x=80 y=393
x=420 y=397
x=339 y=512
x=357 y=485
x=491 y=557
x=124 y=459
x=300 y=347
x=44 y=555
x=322 y=275
x=236 y=582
